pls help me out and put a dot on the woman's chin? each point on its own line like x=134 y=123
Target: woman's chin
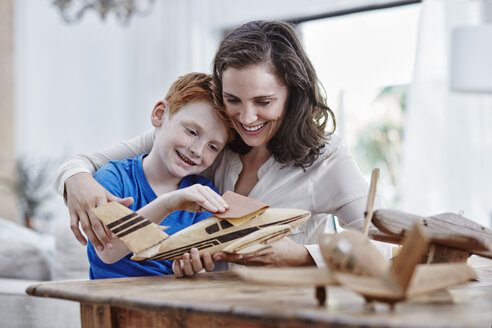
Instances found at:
x=254 y=142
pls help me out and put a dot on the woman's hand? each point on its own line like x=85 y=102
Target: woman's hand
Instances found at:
x=283 y=252
x=191 y=263
x=83 y=193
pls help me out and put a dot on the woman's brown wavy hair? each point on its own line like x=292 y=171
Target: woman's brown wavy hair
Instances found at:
x=301 y=136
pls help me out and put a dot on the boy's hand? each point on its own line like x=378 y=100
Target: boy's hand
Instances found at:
x=195 y=198
x=83 y=193
x=192 y=263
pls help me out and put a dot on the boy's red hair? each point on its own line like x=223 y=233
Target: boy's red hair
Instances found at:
x=194 y=87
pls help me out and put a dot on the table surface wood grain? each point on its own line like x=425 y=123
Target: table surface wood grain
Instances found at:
x=219 y=299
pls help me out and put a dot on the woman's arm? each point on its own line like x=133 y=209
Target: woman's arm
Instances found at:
x=77 y=163
x=82 y=192
x=195 y=198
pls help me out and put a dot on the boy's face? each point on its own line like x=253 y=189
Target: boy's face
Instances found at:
x=189 y=141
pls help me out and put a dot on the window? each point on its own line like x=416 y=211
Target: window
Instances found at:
x=365 y=63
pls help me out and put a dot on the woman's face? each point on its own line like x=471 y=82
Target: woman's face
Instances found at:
x=255 y=101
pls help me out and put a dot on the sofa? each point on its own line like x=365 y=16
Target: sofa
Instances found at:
x=29 y=257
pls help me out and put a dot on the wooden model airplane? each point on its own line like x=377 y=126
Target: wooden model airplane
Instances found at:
x=453 y=238
x=353 y=262
x=246 y=227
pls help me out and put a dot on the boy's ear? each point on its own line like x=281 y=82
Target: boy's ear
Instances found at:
x=158 y=113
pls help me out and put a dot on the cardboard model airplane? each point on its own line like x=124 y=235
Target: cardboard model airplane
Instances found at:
x=246 y=227
x=353 y=262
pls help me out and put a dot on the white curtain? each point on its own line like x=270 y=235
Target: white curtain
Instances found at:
x=447 y=162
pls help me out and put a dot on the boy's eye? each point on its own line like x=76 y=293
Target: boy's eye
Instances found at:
x=192 y=132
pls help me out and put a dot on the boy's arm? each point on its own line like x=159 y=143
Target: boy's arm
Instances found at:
x=195 y=198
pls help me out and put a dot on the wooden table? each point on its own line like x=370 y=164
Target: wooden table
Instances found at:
x=220 y=299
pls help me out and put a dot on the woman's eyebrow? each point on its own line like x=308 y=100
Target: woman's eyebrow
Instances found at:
x=265 y=96
x=229 y=94
x=273 y=95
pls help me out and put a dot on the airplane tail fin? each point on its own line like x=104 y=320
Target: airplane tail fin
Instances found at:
x=402 y=268
x=135 y=231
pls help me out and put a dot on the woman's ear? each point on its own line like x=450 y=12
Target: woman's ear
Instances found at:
x=158 y=113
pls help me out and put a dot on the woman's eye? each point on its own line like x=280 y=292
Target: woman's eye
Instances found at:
x=232 y=101
x=214 y=148
x=192 y=132
x=263 y=103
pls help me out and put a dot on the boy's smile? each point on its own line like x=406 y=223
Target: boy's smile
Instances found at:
x=185 y=159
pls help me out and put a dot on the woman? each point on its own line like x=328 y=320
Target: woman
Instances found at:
x=281 y=155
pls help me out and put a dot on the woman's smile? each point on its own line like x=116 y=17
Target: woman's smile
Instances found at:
x=254 y=129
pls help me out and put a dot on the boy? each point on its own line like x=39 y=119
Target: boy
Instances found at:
x=189 y=135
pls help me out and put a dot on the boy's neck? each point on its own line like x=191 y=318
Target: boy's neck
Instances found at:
x=158 y=176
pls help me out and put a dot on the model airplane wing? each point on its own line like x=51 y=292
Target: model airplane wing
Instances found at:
x=258 y=240
x=394 y=222
x=445 y=229
x=241 y=208
x=371 y=288
x=480 y=237
x=136 y=232
x=302 y=276
x=433 y=277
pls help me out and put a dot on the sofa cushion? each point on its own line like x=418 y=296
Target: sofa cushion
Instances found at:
x=70 y=256
x=24 y=253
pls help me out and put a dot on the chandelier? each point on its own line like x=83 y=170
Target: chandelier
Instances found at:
x=73 y=10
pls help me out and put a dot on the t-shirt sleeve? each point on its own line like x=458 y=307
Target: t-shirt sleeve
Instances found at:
x=110 y=178
x=77 y=163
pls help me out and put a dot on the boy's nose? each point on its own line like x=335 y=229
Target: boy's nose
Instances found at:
x=196 y=149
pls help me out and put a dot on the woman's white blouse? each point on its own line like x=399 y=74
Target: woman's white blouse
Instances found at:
x=333 y=184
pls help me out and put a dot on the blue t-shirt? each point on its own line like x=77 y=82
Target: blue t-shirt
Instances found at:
x=127 y=179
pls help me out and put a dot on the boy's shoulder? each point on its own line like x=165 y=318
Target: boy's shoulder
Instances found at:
x=126 y=178
x=125 y=165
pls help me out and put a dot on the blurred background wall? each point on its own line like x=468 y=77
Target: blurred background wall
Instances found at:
x=8 y=207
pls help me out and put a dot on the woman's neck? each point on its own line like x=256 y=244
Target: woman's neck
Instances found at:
x=256 y=157
x=158 y=175
x=252 y=162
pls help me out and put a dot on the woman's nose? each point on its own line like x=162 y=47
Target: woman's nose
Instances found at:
x=248 y=114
